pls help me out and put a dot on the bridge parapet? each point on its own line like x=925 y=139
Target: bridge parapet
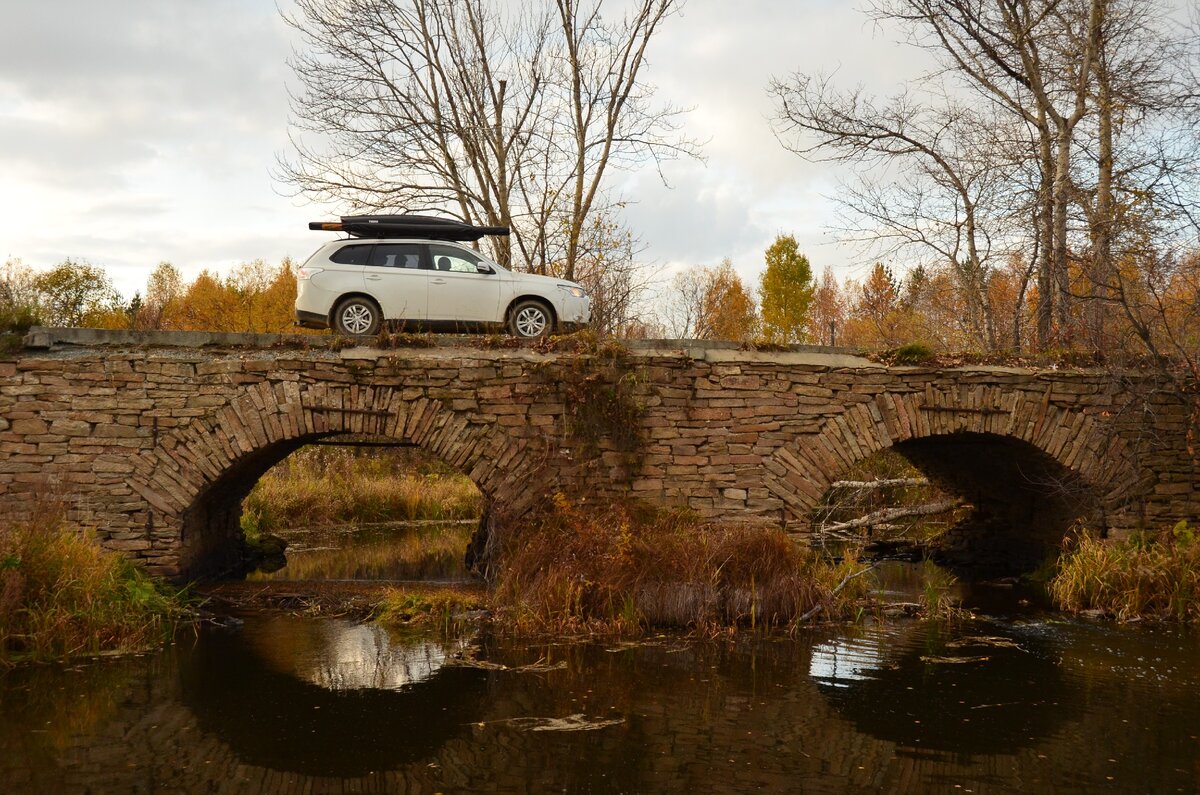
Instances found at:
x=154 y=444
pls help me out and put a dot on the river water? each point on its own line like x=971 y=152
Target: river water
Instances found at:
x=1019 y=703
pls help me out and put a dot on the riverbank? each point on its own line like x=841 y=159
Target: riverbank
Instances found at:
x=61 y=596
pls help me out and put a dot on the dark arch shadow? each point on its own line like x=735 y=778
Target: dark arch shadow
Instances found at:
x=1025 y=501
x=211 y=529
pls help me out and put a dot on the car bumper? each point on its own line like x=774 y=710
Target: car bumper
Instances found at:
x=575 y=312
x=311 y=319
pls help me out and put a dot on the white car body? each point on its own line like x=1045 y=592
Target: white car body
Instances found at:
x=430 y=284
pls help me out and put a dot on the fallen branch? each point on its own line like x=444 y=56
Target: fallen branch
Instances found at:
x=878 y=484
x=845 y=581
x=891 y=514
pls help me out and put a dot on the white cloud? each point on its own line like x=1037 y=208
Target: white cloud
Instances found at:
x=133 y=132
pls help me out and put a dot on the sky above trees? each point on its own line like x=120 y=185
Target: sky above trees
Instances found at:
x=132 y=133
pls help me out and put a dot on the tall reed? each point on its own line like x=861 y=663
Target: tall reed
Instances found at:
x=62 y=595
x=1139 y=577
x=318 y=486
x=623 y=569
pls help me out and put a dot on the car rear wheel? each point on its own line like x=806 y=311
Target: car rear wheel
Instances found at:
x=530 y=320
x=357 y=317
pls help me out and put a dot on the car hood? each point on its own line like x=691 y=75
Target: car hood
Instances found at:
x=541 y=281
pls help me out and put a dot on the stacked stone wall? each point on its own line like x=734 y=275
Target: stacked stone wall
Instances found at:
x=138 y=442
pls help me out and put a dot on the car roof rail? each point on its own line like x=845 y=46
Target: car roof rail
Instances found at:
x=428 y=227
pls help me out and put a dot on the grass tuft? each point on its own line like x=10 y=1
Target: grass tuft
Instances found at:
x=1140 y=577
x=442 y=607
x=62 y=595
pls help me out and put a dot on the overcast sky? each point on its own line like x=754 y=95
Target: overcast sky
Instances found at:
x=138 y=131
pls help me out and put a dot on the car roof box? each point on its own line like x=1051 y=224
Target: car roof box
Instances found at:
x=428 y=227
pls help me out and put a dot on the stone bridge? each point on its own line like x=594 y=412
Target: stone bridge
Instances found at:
x=153 y=440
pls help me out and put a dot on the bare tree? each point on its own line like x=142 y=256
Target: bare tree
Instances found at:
x=498 y=113
x=936 y=180
x=1070 y=102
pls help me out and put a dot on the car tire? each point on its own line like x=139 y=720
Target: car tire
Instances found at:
x=357 y=317
x=530 y=320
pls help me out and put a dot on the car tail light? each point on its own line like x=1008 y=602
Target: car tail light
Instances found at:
x=307 y=272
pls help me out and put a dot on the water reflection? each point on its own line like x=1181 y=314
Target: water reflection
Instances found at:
x=338 y=654
x=982 y=689
x=328 y=698
x=308 y=705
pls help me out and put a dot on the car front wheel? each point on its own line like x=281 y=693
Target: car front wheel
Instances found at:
x=530 y=320
x=357 y=317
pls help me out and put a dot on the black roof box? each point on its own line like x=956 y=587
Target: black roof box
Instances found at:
x=423 y=226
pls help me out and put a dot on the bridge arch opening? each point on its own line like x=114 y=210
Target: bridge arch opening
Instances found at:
x=1015 y=502
x=328 y=484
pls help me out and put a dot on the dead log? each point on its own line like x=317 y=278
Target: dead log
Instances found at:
x=891 y=514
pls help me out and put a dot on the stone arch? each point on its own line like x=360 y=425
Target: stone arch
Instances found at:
x=197 y=475
x=1079 y=441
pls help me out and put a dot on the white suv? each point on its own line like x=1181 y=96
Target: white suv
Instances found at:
x=412 y=272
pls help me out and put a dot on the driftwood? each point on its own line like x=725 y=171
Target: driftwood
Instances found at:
x=878 y=484
x=891 y=514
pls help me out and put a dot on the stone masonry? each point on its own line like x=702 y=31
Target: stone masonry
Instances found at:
x=153 y=442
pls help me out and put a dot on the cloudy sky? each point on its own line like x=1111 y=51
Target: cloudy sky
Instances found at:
x=138 y=131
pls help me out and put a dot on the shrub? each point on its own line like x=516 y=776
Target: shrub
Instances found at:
x=623 y=569
x=62 y=595
x=1139 y=577
x=913 y=353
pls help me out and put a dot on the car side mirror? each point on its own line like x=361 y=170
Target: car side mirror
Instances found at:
x=483 y=267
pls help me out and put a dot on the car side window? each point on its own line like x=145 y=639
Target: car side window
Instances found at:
x=351 y=255
x=396 y=255
x=453 y=259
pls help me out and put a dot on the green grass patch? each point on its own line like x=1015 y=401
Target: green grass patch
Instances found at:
x=443 y=607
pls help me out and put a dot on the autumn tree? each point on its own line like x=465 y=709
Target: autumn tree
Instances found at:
x=727 y=309
x=1060 y=131
x=163 y=292
x=827 y=315
x=73 y=293
x=874 y=317
x=785 y=292
x=18 y=297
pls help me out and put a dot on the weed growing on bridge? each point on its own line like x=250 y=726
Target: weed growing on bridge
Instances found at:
x=623 y=569
x=1140 y=577
x=61 y=595
x=600 y=392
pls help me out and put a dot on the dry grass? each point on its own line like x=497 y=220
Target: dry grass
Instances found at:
x=320 y=486
x=1140 y=577
x=61 y=595
x=619 y=570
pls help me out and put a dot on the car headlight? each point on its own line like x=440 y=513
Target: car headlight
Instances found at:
x=573 y=290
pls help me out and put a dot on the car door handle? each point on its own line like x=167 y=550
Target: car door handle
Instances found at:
x=374 y=278
x=437 y=281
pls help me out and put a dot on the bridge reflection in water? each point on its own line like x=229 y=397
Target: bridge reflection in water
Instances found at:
x=289 y=705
